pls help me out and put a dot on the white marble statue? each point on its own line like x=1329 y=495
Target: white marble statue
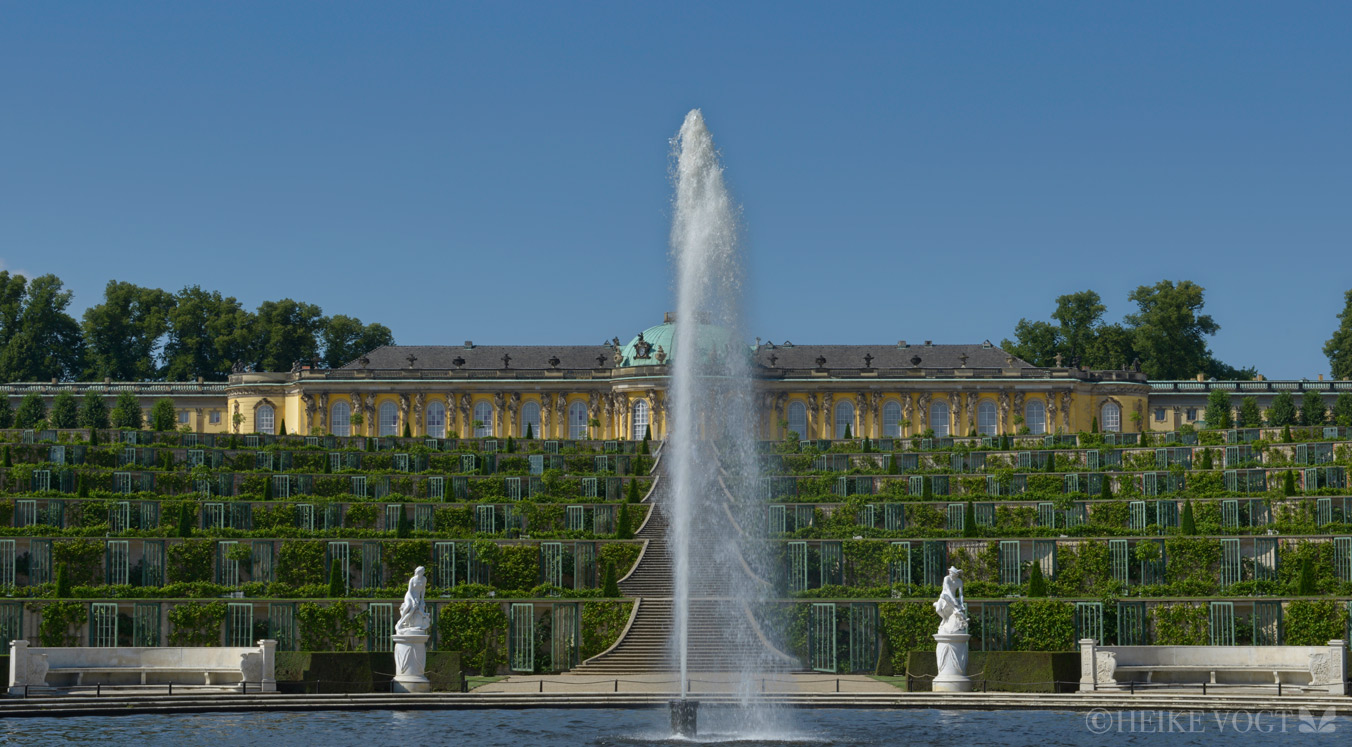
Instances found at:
x=413 y=615
x=950 y=605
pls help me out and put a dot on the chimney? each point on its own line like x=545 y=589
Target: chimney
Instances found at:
x=469 y=344
x=1321 y=378
x=1201 y=377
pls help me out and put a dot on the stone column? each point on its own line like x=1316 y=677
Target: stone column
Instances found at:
x=269 y=648
x=1087 y=652
x=951 y=654
x=410 y=662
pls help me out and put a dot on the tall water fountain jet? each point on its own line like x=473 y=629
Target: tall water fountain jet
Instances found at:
x=712 y=423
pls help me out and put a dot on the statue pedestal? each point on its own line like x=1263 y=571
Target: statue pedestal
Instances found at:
x=951 y=654
x=410 y=661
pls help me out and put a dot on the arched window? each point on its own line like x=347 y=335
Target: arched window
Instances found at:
x=892 y=419
x=436 y=420
x=483 y=414
x=987 y=422
x=340 y=420
x=263 y=420
x=577 y=421
x=530 y=419
x=389 y=420
x=1110 y=417
x=939 y=418
x=640 y=420
x=1035 y=416
x=798 y=419
x=845 y=419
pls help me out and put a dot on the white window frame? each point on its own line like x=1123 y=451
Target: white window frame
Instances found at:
x=795 y=408
x=214 y=417
x=434 y=425
x=340 y=419
x=1110 y=424
x=389 y=426
x=1036 y=425
x=577 y=426
x=182 y=417
x=844 y=415
x=987 y=418
x=483 y=411
x=530 y=413
x=939 y=419
x=638 y=419
x=891 y=419
x=265 y=420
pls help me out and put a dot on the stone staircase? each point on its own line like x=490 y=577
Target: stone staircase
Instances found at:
x=722 y=635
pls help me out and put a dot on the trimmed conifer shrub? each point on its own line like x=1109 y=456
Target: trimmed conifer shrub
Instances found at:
x=610 y=588
x=1037 y=584
x=1186 y=524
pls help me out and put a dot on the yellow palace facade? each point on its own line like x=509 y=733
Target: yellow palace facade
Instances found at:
x=618 y=391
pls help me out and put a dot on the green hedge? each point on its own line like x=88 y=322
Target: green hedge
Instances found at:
x=358 y=672
x=1007 y=671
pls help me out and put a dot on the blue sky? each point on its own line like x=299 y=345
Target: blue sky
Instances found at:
x=498 y=172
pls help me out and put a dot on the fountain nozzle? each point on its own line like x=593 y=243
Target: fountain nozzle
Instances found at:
x=684 y=714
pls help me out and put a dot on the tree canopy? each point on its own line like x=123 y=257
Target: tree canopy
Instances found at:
x=1339 y=347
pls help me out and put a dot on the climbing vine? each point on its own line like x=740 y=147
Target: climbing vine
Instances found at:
x=196 y=624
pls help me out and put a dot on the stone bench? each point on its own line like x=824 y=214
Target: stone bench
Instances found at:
x=36 y=666
x=1314 y=668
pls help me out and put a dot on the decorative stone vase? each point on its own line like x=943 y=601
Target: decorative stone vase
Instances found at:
x=410 y=662
x=951 y=654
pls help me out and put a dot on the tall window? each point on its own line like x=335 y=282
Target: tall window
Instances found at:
x=892 y=419
x=436 y=420
x=1035 y=416
x=389 y=420
x=530 y=416
x=264 y=420
x=340 y=420
x=640 y=420
x=1110 y=417
x=798 y=419
x=483 y=413
x=577 y=421
x=987 y=422
x=939 y=418
x=844 y=419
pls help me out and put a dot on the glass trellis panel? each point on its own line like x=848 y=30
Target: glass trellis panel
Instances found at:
x=1267 y=623
x=863 y=637
x=1342 y=558
x=11 y=623
x=1230 y=561
x=1072 y=483
x=832 y=565
x=1230 y=513
x=1131 y=623
x=401 y=462
x=227 y=568
x=25 y=513
x=436 y=488
x=1137 y=515
x=995 y=627
x=103 y=624
x=1046 y=515
x=1152 y=571
x=984 y=514
x=603 y=520
x=589 y=487
x=153 y=563
x=894 y=517
x=424 y=518
x=260 y=560
x=338 y=552
x=577 y=518
x=777 y=520
x=1094 y=460
x=551 y=563
x=119 y=517
x=264 y=460
x=443 y=569
x=1077 y=514
x=1010 y=562
x=521 y=637
x=148 y=514
x=936 y=556
x=537 y=464
x=372 y=569
x=1151 y=483
x=513 y=485
x=202 y=486
x=486 y=519
x=803 y=516
x=359 y=486
x=1323 y=510
x=282 y=625
x=127 y=457
x=305 y=516
x=1089 y=621
x=1119 y=557
x=899 y=570
x=122 y=483
x=867 y=515
x=380 y=619
x=213 y=515
x=564 y=636
x=915 y=485
x=145 y=624
x=393 y=512
x=117 y=562
x=956 y=517
x=1044 y=554
x=797 y=566
x=584 y=565
x=939 y=483
x=239 y=624
x=281 y=487
x=40 y=562
x=1166 y=513
x=7 y=563
x=1221 y=616
x=822 y=638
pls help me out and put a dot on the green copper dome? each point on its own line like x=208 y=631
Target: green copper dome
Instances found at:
x=655 y=346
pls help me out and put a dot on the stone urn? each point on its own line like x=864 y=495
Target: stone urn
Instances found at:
x=951 y=654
